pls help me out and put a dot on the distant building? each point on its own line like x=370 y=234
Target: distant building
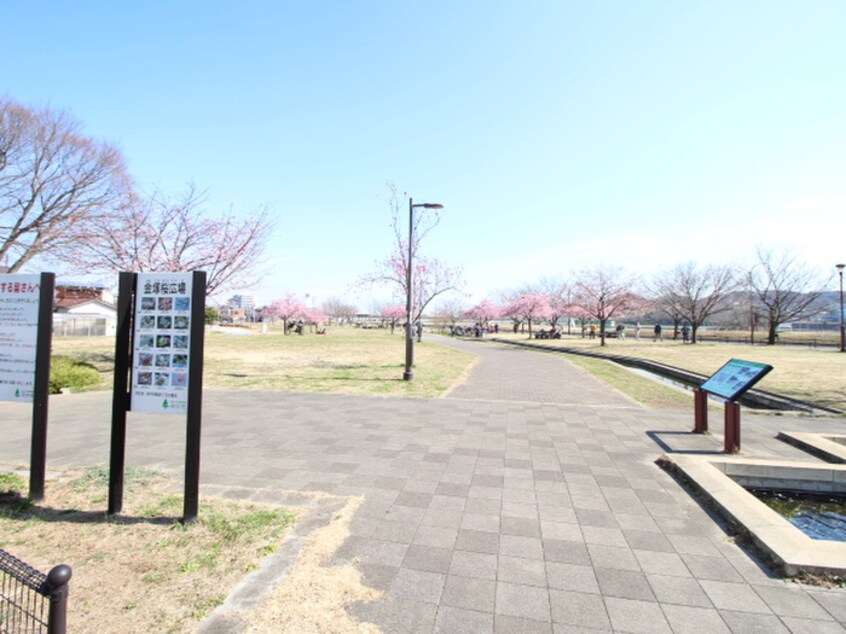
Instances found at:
x=232 y=314
x=246 y=304
x=82 y=309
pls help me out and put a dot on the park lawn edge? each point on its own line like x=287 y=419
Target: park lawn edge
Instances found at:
x=143 y=570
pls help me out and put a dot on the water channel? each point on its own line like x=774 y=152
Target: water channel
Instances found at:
x=818 y=516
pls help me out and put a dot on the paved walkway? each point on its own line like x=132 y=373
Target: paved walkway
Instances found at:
x=483 y=515
x=507 y=373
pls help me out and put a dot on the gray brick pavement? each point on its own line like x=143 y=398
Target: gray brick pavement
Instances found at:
x=483 y=515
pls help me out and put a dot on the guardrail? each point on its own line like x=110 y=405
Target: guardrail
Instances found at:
x=30 y=601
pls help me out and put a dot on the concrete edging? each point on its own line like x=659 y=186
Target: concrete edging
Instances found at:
x=792 y=551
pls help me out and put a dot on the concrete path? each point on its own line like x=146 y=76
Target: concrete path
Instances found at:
x=507 y=373
x=482 y=515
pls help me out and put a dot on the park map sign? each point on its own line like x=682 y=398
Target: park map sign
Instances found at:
x=735 y=378
x=19 y=300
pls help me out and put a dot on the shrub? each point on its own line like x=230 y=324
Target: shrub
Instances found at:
x=71 y=373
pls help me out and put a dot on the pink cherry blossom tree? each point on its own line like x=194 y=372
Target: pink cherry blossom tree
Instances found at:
x=392 y=313
x=529 y=307
x=483 y=312
x=313 y=316
x=287 y=308
x=559 y=296
x=605 y=293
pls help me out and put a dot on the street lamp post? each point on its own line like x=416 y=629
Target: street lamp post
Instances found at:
x=842 y=324
x=409 y=338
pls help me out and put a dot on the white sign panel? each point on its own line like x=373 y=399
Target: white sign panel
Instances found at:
x=161 y=353
x=19 y=296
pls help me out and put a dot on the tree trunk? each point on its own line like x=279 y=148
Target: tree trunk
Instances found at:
x=602 y=333
x=771 y=333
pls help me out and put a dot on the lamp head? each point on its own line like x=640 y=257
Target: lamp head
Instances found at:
x=428 y=206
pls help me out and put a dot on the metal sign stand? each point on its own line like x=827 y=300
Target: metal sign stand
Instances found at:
x=120 y=390
x=41 y=388
x=122 y=401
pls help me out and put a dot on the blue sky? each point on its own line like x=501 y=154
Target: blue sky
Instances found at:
x=558 y=135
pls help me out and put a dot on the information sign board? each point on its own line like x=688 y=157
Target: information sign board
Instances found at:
x=161 y=350
x=735 y=378
x=19 y=300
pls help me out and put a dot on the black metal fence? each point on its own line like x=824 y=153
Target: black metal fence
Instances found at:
x=30 y=601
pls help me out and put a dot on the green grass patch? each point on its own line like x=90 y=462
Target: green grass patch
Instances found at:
x=72 y=372
x=646 y=391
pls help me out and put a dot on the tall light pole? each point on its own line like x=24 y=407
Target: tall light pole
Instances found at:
x=842 y=324
x=409 y=338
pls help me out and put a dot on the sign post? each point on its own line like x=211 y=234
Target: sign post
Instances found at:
x=120 y=392
x=26 y=329
x=700 y=409
x=730 y=382
x=159 y=366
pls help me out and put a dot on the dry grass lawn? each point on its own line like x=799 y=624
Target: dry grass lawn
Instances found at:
x=813 y=374
x=142 y=571
x=347 y=360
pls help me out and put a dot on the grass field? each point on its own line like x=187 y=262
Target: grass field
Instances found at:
x=160 y=575
x=813 y=374
x=347 y=360
x=646 y=391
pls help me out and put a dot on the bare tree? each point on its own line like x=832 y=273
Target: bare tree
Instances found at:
x=697 y=293
x=447 y=314
x=604 y=294
x=55 y=183
x=430 y=277
x=670 y=307
x=782 y=288
x=156 y=233
x=339 y=310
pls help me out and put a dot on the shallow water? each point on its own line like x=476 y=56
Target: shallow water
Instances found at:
x=818 y=516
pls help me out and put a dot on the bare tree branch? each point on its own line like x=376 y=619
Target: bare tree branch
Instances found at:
x=55 y=183
x=783 y=288
x=157 y=233
x=696 y=293
x=430 y=277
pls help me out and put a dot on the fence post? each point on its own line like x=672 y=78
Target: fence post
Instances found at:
x=57 y=584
